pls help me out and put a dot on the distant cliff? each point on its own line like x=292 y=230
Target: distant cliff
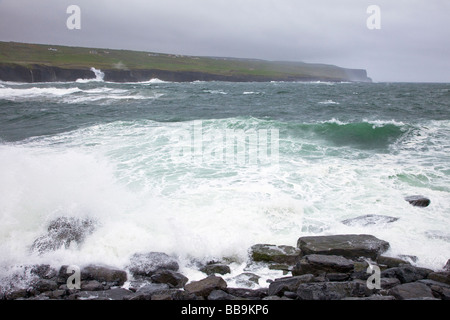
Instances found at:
x=22 y=62
x=42 y=73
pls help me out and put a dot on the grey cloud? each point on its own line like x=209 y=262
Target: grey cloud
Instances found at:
x=412 y=44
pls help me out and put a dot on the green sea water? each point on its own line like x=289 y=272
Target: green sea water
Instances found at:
x=204 y=170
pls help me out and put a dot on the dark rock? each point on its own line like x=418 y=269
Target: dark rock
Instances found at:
x=273 y=253
x=406 y=274
x=418 y=201
x=162 y=296
x=219 y=268
x=409 y=258
x=291 y=295
x=369 y=219
x=147 y=291
x=16 y=294
x=447 y=266
x=349 y=246
x=112 y=294
x=205 y=286
x=148 y=264
x=111 y=275
x=44 y=271
x=63 y=276
x=337 y=276
x=372 y=297
x=388 y=283
x=91 y=285
x=275 y=298
x=182 y=295
x=332 y=290
x=317 y=264
x=391 y=262
x=43 y=285
x=443 y=276
x=413 y=290
x=248 y=293
x=172 y=278
x=63 y=231
x=247 y=279
x=220 y=295
x=439 y=289
x=56 y=294
x=281 y=285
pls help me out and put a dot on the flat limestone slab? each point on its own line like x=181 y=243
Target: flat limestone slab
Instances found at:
x=346 y=245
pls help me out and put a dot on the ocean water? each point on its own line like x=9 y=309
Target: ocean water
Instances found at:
x=204 y=170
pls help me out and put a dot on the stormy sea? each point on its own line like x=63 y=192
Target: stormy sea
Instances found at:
x=204 y=170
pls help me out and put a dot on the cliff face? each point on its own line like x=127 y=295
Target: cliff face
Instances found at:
x=42 y=73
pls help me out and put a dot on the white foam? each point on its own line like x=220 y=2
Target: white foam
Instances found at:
x=99 y=76
x=35 y=92
x=122 y=175
x=329 y=102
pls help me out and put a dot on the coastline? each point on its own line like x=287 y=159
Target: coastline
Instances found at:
x=336 y=267
x=43 y=73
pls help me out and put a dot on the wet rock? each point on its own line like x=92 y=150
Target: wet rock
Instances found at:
x=409 y=258
x=62 y=232
x=391 y=262
x=213 y=268
x=369 y=219
x=147 y=291
x=439 y=289
x=447 y=266
x=43 y=285
x=16 y=294
x=332 y=290
x=248 y=294
x=418 y=201
x=317 y=264
x=337 y=276
x=443 y=276
x=276 y=298
x=388 y=283
x=91 y=285
x=216 y=295
x=406 y=274
x=347 y=245
x=147 y=264
x=107 y=274
x=44 y=271
x=112 y=294
x=205 y=286
x=281 y=285
x=372 y=297
x=413 y=290
x=272 y=253
x=172 y=278
x=247 y=279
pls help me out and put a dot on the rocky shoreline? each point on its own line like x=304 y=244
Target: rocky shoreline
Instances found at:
x=335 y=267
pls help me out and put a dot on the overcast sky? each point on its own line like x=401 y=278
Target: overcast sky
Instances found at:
x=413 y=43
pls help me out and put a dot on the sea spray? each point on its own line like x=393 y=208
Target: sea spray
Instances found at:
x=104 y=151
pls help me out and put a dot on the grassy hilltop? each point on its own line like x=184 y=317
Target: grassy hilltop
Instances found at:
x=29 y=55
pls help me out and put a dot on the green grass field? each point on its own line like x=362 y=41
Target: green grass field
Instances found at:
x=107 y=59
